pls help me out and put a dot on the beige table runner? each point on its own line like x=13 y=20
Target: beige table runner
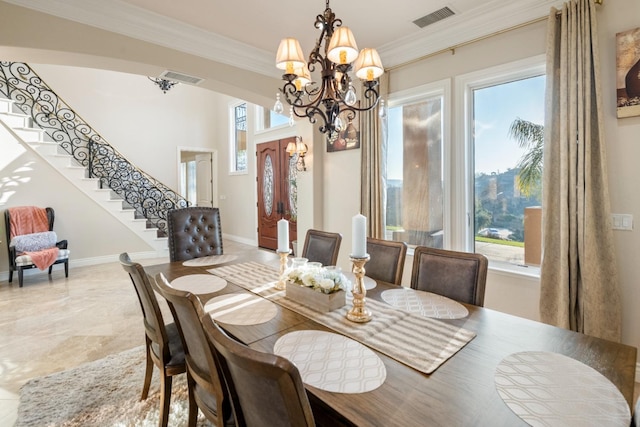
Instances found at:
x=419 y=342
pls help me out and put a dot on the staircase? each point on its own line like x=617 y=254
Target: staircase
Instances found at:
x=35 y=139
x=35 y=115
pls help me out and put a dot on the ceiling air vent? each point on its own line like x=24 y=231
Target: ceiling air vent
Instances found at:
x=179 y=77
x=433 y=17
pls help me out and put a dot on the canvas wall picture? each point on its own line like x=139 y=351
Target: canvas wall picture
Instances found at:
x=348 y=138
x=628 y=73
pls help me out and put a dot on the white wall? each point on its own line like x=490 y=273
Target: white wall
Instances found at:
x=623 y=152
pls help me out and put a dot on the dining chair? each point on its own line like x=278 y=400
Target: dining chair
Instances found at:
x=322 y=246
x=386 y=261
x=266 y=389
x=207 y=390
x=163 y=345
x=194 y=232
x=461 y=276
x=31 y=241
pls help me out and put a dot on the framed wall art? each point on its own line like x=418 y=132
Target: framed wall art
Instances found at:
x=628 y=73
x=347 y=139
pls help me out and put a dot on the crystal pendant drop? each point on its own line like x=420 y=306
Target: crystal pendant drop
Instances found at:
x=337 y=124
x=291 y=121
x=350 y=97
x=278 y=108
x=382 y=110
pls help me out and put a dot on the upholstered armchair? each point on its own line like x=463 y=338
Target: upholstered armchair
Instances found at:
x=31 y=241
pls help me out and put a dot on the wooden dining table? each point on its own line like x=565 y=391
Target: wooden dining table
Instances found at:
x=460 y=392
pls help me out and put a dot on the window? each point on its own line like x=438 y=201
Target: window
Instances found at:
x=268 y=119
x=239 y=138
x=468 y=194
x=415 y=202
x=504 y=133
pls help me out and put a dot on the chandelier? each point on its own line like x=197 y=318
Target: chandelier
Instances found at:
x=163 y=84
x=333 y=100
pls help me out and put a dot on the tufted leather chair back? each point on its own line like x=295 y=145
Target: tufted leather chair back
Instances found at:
x=387 y=260
x=461 y=276
x=194 y=232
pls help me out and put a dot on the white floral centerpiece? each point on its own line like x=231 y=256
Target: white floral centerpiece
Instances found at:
x=325 y=280
x=320 y=288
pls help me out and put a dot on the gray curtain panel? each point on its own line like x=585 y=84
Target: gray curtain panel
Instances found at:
x=579 y=276
x=373 y=187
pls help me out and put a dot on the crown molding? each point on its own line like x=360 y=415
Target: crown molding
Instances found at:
x=488 y=18
x=123 y=18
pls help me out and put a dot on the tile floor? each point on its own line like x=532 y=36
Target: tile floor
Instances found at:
x=53 y=323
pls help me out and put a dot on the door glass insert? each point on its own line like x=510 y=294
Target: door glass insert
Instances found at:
x=267 y=189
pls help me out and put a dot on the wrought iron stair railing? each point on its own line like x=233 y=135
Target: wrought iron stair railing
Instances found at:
x=148 y=196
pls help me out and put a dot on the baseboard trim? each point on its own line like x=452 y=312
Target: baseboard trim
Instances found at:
x=638 y=372
x=74 y=263
x=251 y=242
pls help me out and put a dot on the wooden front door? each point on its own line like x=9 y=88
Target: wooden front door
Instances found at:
x=277 y=191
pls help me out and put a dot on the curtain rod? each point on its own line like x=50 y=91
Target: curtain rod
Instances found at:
x=453 y=48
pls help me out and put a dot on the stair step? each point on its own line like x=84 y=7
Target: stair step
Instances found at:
x=29 y=134
x=46 y=148
x=6 y=105
x=16 y=120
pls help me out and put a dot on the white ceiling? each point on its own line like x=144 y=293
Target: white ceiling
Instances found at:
x=246 y=33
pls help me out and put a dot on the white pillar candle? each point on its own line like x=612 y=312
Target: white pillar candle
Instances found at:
x=283 y=235
x=359 y=236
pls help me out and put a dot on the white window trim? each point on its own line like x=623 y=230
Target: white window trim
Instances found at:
x=464 y=175
x=232 y=141
x=259 y=127
x=430 y=90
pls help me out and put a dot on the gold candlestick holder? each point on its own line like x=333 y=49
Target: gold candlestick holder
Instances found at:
x=281 y=284
x=359 y=313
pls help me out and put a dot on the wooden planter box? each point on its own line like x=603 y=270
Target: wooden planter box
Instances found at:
x=316 y=300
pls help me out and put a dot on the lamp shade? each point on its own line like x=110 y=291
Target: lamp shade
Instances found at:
x=291 y=148
x=289 y=56
x=368 y=66
x=301 y=148
x=342 y=47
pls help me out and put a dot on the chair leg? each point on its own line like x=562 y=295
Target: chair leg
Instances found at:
x=165 y=398
x=20 y=275
x=66 y=268
x=50 y=269
x=148 y=373
x=193 y=407
x=10 y=275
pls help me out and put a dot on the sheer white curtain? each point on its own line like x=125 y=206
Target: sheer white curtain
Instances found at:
x=579 y=277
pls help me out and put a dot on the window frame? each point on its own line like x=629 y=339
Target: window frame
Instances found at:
x=233 y=145
x=423 y=92
x=465 y=84
x=260 y=127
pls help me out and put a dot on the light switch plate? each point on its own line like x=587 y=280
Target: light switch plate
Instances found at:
x=622 y=221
